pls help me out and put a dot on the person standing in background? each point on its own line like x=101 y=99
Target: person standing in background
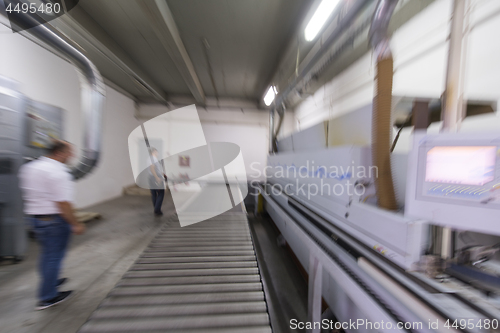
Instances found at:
x=156 y=181
x=47 y=188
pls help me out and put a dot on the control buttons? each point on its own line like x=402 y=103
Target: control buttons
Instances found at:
x=454 y=191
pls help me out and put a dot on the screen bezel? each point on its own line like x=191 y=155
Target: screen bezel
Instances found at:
x=424 y=147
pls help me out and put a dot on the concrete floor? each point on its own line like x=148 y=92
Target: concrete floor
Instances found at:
x=94 y=263
x=97 y=260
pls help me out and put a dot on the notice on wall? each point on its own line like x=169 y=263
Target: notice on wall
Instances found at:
x=184 y=161
x=41 y=132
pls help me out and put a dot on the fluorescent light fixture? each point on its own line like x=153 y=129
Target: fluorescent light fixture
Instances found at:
x=319 y=18
x=271 y=93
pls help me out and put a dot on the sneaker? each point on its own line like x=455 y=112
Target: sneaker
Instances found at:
x=61 y=281
x=61 y=297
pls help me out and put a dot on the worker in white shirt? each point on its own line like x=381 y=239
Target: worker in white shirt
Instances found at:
x=47 y=188
x=156 y=181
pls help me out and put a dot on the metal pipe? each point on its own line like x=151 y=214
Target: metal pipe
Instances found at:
x=271 y=131
x=281 y=113
x=344 y=23
x=381 y=116
x=452 y=114
x=378 y=31
x=92 y=86
x=453 y=108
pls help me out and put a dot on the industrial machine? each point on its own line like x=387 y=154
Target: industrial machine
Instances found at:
x=373 y=265
x=27 y=128
x=12 y=112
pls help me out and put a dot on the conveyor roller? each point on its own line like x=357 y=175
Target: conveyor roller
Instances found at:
x=200 y=278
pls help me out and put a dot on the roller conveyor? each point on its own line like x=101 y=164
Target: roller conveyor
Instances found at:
x=203 y=277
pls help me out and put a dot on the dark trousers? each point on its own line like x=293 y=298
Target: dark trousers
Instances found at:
x=157 y=196
x=53 y=236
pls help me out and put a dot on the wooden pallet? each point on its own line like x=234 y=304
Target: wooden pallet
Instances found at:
x=136 y=190
x=87 y=216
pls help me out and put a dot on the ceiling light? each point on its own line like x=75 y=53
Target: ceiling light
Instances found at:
x=270 y=95
x=319 y=18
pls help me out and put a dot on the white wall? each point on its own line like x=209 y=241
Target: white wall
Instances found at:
x=251 y=139
x=47 y=78
x=420 y=52
x=249 y=129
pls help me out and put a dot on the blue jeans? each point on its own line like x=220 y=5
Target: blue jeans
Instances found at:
x=157 y=197
x=53 y=235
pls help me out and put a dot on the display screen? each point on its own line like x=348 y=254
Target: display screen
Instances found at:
x=468 y=165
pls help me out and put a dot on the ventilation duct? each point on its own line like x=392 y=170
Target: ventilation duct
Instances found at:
x=92 y=86
x=281 y=113
x=381 y=117
x=271 y=131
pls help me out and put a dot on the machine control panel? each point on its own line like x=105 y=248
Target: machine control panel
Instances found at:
x=454 y=181
x=467 y=174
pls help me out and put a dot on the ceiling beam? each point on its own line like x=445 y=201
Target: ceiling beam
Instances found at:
x=79 y=26
x=163 y=24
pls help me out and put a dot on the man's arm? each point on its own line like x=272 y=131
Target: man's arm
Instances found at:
x=63 y=188
x=153 y=170
x=66 y=209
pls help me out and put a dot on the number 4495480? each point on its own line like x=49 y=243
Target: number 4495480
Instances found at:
x=44 y=8
x=472 y=324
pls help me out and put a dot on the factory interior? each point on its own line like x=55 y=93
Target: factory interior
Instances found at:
x=249 y=166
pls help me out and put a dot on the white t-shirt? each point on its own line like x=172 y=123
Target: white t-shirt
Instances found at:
x=43 y=183
x=157 y=166
x=153 y=160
